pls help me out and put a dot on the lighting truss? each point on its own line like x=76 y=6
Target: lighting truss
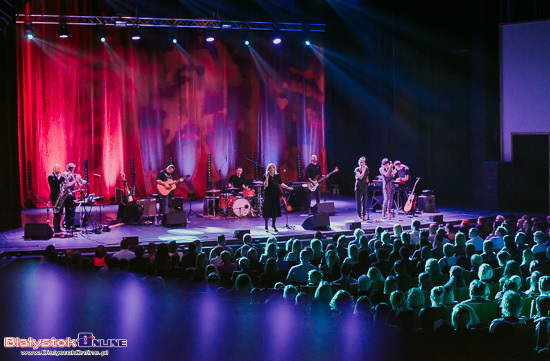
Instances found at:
x=122 y=21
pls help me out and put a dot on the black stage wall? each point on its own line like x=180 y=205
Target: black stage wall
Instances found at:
x=10 y=208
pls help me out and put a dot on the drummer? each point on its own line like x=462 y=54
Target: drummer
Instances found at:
x=238 y=181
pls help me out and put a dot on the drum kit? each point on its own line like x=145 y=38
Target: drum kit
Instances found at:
x=232 y=203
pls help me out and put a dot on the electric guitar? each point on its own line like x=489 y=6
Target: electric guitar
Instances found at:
x=412 y=198
x=128 y=191
x=312 y=186
x=171 y=184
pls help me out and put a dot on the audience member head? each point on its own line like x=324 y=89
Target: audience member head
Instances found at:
x=243 y=283
x=324 y=292
x=363 y=283
x=375 y=275
x=485 y=273
x=290 y=293
x=463 y=317
x=424 y=281
x=436 y=296
x=397 y=300
x=315 y=276
x=503 y=257
x=511 y=304
x=415 y=298
x=390 y=285
x=432 y=267
x=363 y=306
x=479 y=289
x=342 y=302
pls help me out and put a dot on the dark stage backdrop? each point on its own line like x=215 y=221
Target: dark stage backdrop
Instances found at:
x=81 y=100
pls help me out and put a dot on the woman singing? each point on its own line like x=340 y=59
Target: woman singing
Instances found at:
x=387 y=171
x=361 y=187
x=272 y=193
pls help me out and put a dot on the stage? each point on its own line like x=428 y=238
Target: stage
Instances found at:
x=207 y=228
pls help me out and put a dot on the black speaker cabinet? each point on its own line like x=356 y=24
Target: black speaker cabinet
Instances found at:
x=324 y=208
x=426 y=204
x=149 y=206
x=38 y=231
x=239 y=233
x=353 y=225
x=436 y=218
x=133 y=242
x=174 y=219
x=128 y=213
x=176 y=204
x=317 y=222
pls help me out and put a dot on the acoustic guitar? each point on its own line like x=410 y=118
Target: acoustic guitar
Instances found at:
x=128 y=191
x=412 y=198
x=312 y=186
x=171 y=184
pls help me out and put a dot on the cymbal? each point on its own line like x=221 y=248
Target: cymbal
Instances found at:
x=213 y=191
x=257 y=183
x=232 y=188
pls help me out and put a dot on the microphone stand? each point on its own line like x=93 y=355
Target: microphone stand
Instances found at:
x=287 y=211
x=44 y=204
x=99 y=228
x=220 y=179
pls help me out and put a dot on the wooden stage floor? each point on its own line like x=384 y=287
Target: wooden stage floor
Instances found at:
x=207 y=229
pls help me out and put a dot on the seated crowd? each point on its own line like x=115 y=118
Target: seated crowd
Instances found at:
x=475 y=287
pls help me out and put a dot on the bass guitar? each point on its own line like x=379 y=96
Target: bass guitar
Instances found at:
x=312 y=186
x=170 y=185
x=412 y=198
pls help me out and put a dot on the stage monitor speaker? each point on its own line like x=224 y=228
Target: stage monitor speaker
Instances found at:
x=239 y=233
x=38 y=231
x=426 y=204
x=149 y=206
x=353 y=225
x=133 y=242
x=324 y=208
x=317 y=222
x=128 y=213
x=176 y=205
x=436 y=218
x=174 y=219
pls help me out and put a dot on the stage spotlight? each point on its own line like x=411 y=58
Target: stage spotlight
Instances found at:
x=277 y=38
x=28 y=31
x=247 y=42
x=246 y=37
x=136 y=33
x=307 y=42
x=173 y=39
x=63 y=32
x=101 y=33
x=209 y=36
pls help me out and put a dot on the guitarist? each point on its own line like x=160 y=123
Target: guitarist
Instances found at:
x=403 y=175
x=313 y=173
x=165 y=178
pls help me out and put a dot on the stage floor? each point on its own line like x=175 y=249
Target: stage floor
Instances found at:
x=207 y=229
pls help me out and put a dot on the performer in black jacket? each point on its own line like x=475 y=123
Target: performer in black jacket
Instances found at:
x=55 y=180
x=313 y=173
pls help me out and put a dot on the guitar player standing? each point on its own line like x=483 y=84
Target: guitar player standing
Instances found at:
x=165 y=178
x=313 y=173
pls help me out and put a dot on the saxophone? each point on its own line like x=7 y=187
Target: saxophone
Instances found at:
x=70 y=179
x=65 y=191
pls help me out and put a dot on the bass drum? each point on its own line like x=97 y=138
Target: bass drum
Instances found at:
x=241 y=207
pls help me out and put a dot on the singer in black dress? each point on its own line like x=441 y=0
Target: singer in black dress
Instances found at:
x=272 y=195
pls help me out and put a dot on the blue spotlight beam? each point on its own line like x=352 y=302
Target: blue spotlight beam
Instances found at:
x=166 y=22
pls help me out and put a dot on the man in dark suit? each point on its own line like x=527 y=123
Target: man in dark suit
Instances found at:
x=55 y=180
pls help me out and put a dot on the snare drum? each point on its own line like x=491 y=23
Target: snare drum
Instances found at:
x=241 y=207
x=249 y=192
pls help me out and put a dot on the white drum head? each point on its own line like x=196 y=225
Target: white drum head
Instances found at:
x=241 y=207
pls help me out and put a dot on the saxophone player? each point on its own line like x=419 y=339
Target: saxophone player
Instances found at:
x=71 y=180
x=56 y=179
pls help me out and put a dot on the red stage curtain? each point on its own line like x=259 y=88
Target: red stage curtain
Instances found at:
x=80 y=99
